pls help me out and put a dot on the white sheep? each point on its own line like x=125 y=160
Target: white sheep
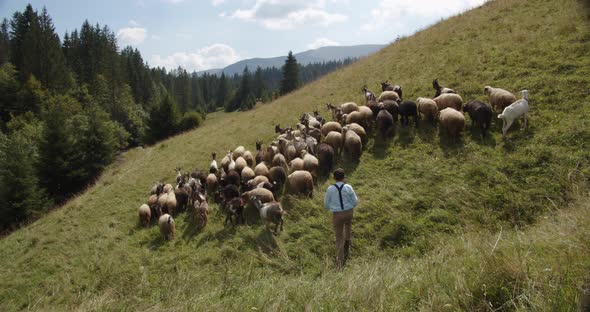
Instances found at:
x=515 y=110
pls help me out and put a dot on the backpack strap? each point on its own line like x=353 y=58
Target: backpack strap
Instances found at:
x=339 y=188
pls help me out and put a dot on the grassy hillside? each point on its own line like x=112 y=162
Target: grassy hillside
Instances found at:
x=475 y=225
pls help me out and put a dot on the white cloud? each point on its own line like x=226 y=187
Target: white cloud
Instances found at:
x=402 y=17
x=217 y=2
x=133 y=23
x=132 y=35
x=287 y=14
x=214 y=56
x=322 y=42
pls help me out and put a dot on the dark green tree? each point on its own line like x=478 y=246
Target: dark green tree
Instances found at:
x=222 y=93
x=9 y=88
x=290 y=79
x=20 y=193
x=258 y=87
x=56 y=149
x=4 y=42
x=164 y=119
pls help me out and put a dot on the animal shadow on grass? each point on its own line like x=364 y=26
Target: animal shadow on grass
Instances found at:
x=265 y=241
x=190 y=228
x=158 y=242
x=381 y=144
x=514 y=135
x=448 y=145
x=220 y=236
x=476 y=136
x=406 y=136
x=426 y=131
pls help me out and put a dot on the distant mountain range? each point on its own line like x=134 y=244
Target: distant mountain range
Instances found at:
x=324 y=54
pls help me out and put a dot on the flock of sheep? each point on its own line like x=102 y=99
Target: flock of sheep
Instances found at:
x=298 y=156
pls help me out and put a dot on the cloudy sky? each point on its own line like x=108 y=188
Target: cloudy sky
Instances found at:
x=204 y=34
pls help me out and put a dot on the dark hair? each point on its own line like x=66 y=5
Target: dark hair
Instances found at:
x=339 y=174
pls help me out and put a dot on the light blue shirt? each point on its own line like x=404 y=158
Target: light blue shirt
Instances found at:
x=332 y=198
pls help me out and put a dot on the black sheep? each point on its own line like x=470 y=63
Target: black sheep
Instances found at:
x=480 y=114
x=384 y=122
x=408 y=109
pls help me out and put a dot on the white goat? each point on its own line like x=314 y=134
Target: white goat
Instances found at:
x=515 y=110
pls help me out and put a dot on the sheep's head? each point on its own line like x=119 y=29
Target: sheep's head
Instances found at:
x=258 y=145
x=525 y=94
x=159 y=189
x=342 y=118
x=213 y=155
x=487 y=89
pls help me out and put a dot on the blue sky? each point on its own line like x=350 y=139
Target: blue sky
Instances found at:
x=204 y=34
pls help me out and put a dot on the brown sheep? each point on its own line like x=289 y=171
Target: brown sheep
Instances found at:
x=451 y=100
x=374 y=107
x=153 y=200
x=310 y=163
x=278 y=176
x=201 y=211
x=290 y=152
x=353 y=145
x=452 y=121
x=334 y=139
x=225 y=161
x=261 y=169
x=167 y=202
x=263 y=194
x=279 y=160
x=368 y=114
x=349 y=107
x=257 y=180
x=499 y=98
x=168 y=187
x=145 y=215
x=249 y=158
x=300 y=182
x=384 y=122
x=247 y=174
x=331 y=126
x=212 y=184
x=428 y=108
x=269 y=154
x=240 y=164
x=326 y=158
x=238 y=152
x=295 y=164
x=389 y=95
x=392 y=107
x=167 y=226
x=358 y=118
x=360 y=131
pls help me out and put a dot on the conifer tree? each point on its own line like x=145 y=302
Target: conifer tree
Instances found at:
x=290 y=79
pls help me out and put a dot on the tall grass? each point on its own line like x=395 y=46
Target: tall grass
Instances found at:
x=430 y=211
